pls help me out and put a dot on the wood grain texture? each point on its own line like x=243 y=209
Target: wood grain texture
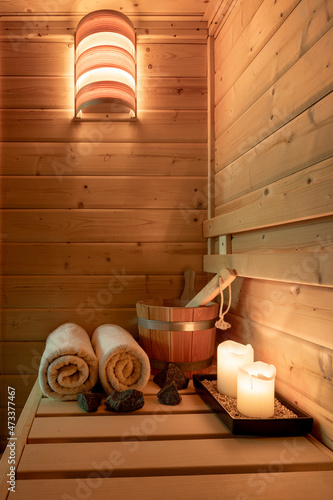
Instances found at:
x=100 y=258
x=305 y=311
x=312 y=269
x=304 y=141
x=21 y=431
x=288 y=44
x=90 y=158
x=30 y=325
x=154 y=60
x=304 y=195
x=88 y=225
x=82 y=7
x=117 y=289
x=151 y=126
x=163 y=457
x=280 y=104
x=61 y=28
x=308 y=236
x=58 y=93
x=229 y=30
x=194 y=426
x=104 y=192
x=294 y=484
x=268 y=17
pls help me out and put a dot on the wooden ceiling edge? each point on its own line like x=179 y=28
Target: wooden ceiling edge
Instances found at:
x=219 y=17
x=63 y=16
x=212 y=7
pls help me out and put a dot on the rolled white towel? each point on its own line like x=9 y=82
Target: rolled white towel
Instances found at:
x=123 y=364
x=69 y=365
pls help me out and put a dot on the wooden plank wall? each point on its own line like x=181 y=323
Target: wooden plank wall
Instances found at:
x=95 y=216
x=274 y=187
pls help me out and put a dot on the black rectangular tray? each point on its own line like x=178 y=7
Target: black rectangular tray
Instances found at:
x=252 y=426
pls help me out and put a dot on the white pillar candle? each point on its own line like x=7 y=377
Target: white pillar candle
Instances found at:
x=230 y=356
x=255 y=390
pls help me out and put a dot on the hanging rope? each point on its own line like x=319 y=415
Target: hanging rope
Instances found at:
x=221 y=323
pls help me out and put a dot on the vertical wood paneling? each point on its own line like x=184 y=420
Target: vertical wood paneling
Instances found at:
x=273 y=125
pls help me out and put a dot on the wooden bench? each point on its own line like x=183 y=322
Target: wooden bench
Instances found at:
x=181 y=452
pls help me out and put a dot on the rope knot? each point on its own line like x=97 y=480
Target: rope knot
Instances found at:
x=221 y=323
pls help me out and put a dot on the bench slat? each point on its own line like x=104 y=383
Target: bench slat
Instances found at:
x=295 y=485
x=143 y=458
x=116 y=428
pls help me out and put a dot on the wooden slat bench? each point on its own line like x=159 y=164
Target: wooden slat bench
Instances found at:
x=179 y=452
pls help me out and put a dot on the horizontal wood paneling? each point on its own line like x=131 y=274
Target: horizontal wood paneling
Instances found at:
x=57 y=59
x=18 y=357
x=104 y=192
x=288 y=44
x=93 y=226
x=300 y=143
x=98 y=201
x=34 y=325
x=280 y=103
x=322 y=418
x=119 y=289
x=306 y=237
x=37 y=59
x=229 y=31
x=91 y=158
x=185 y=7
x=58 y=28
x=151 y=126
x=172 y=93
x=58 y=93
x=305 y=312
x=167 y=60
x=304 y=195
x=100 y=258
x=307 y=268
x=266 y=20
x=273 y=130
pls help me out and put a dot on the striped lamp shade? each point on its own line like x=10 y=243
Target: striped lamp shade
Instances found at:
x=105 y=70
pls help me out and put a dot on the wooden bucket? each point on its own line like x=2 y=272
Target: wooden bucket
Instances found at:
x=171 y=332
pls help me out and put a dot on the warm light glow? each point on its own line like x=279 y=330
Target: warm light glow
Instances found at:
x=105 y=70
x=113 y=39
x=256 y=389
x=230 y=357
x=105 y=75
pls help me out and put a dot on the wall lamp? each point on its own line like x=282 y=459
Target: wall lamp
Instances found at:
x=105 y=67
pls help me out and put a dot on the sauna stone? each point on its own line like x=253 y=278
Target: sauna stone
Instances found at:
x=89 y=402
x=125 y=401
x=169 y=395
x=172 y=373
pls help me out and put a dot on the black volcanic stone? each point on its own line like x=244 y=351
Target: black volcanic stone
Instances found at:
x=125 y=401
x=89 y=402
x=169 y=395
x=172 y=373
